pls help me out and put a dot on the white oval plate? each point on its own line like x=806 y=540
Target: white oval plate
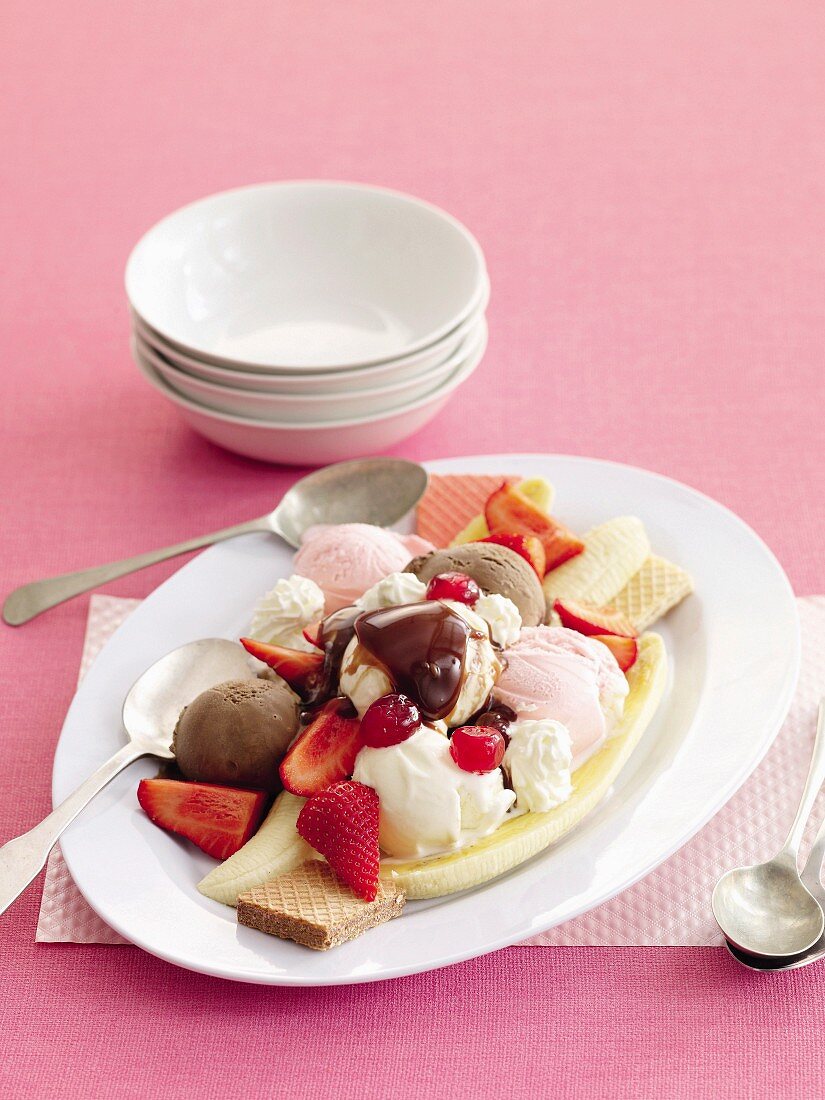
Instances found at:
x=734 y=649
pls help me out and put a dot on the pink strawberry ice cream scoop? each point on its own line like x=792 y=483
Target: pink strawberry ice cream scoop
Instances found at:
x=557 y=673
x=346 y=559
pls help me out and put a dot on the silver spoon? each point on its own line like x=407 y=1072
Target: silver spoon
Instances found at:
x=811 y=876
x=767 y=910
x=150 y=712
x=368 y=490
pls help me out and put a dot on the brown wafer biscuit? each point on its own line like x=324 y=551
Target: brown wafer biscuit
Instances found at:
x=310 y=906
x=651 y=592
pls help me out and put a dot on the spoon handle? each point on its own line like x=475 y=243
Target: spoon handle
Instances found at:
x=816 y=777
x=22 y=858
x=812 y=870
x=32 y=599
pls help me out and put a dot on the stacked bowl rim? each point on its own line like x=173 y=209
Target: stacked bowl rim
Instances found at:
x=456 y=379
x=314 y=381
x=298 y=408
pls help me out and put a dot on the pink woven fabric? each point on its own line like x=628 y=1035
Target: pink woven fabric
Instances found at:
x=647 y=182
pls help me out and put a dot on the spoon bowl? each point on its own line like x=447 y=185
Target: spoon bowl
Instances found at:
x=368 y=490
x=766 y=911
x=811 y=878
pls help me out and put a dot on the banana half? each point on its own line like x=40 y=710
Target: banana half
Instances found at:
x=277 y=848
x=517 y=840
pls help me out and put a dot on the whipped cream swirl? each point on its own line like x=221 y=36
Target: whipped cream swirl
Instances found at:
x=392 y=590
x=502 y=616
x=285 y=610
x=538 y=762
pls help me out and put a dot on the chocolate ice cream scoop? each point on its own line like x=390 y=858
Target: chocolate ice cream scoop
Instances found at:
x=237 y=733
x=494 y=569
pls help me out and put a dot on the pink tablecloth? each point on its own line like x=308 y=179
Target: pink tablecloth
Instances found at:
x=648 y=183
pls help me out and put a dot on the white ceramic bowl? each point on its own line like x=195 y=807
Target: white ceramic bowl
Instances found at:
x=314 y=407
x=340 y=381
x=305 y=276
x=313 y=444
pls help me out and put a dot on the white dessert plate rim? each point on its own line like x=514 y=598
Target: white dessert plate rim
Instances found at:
x=729 y=691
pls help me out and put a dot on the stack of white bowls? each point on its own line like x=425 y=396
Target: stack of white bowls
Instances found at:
x=306 y=323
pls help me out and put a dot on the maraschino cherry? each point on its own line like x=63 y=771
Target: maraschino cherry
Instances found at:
x=477 y=749
x=389 y=721
x=453 y=586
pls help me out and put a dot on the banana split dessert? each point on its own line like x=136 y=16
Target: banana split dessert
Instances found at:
x=431 y=710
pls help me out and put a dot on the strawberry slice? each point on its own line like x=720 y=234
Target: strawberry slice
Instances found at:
x=324 y=752
x=342 y=824
x=299 y=669
x=625 y=650
x=509 y=511
x=219 y=820
x=528 y=547
x=312 y=633
x=593 y=620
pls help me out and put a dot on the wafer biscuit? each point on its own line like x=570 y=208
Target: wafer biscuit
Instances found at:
x=450 y=502
x=312 y=907
x=613 y=552
x=651 y=592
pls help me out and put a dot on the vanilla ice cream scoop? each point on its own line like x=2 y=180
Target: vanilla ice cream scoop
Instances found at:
x=427 y=804
x=362 y=679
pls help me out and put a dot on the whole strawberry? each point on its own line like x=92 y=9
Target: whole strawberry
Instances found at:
x=342 y=824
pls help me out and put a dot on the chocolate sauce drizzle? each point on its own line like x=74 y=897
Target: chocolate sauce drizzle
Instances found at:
x=334 y=636
x=496 y=714
x=422 y=646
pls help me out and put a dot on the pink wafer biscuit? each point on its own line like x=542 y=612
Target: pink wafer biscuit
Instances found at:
x=451 y=501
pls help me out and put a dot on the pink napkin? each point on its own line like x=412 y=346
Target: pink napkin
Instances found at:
x=669 y=908
x=65 y=915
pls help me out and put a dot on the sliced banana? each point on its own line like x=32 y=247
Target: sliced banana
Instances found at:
x=274 y=849
x=522 y=837
x=538 y=490
x=613 y=552
x=476 y=529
